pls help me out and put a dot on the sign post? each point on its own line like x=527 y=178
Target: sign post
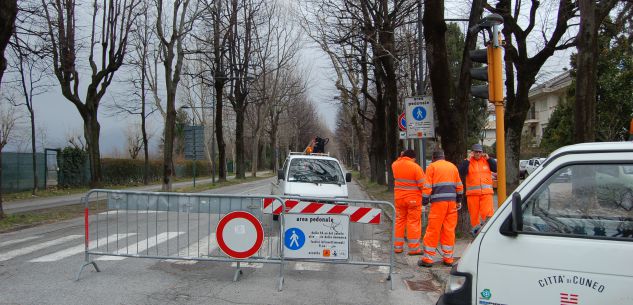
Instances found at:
x=420 y=121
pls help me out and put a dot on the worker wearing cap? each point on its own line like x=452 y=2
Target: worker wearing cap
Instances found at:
x=407 y=190
x=476 y=172
x=442 y=190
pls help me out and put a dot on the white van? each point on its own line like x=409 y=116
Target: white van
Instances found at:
x=311 y=175
x=565 y=236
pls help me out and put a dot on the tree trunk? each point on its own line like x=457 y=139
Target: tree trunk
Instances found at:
x=239 y=141
x=273 y=144
x=219 y=132
x=586 y=61
x=255 y=154
x=92 y=129
x=451 y=127
x=8 y=11
x=33 y=151
x=387 y=41
x=168 y=151
x=2 y=215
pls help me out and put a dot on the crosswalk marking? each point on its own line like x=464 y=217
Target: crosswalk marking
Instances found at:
x=300 y=266
x=17 y=241
x=26 y=250
x=203 y=245
x=78 y=249
x=141 y=246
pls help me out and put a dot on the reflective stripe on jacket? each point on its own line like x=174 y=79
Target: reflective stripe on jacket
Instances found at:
x=442 y=182
x=479 y=177
x=408 y=178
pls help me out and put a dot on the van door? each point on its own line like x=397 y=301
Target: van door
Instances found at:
x=576 y=245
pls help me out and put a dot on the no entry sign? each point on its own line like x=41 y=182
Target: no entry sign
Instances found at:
x=239 y=234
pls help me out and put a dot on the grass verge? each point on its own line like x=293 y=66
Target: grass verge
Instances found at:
x=19 y=221
x=29 y=219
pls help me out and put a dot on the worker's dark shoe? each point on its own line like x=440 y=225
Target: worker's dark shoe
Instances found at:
x=447 y=263
x=422 y=263
x=416 y=252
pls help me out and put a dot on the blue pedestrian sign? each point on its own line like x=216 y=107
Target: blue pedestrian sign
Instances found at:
x=294 y=238
x=420 y=121
x=419 y=113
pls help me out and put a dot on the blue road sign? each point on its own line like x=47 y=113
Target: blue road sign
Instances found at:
x=419 y=113
x=294 y=238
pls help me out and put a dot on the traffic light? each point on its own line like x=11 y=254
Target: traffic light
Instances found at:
x=492 y=73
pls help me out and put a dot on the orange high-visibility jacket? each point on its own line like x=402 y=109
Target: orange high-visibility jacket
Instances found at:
x=408 y=178
x=479 y=176
x=442 y=182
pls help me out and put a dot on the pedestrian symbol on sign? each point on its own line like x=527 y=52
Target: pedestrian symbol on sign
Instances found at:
x=419 y=113
x=294 y=238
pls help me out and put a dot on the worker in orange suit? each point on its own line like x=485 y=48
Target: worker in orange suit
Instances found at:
x=442 y=190
x=407 y=190
x=476 y=172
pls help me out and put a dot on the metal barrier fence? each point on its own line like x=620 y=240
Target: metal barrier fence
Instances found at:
x=121 y=224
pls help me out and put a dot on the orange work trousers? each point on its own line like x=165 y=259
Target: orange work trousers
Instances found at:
x=441 y=227
x=480 y=208
x=409 y=217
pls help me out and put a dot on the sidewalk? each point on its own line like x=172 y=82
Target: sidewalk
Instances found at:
x=57 y=201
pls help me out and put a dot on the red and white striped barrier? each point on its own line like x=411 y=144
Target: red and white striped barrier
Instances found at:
x=356 y=214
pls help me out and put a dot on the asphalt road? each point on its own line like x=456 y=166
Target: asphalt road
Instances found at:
x=39 y=265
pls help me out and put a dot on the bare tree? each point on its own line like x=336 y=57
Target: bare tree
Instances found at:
x=33 y=81
x=521 y=69
x=173 y=54
x=277 y=45
x=241 y=55
x=8 y=12
x=8 y=120
x=111 y=23
x=136 y=136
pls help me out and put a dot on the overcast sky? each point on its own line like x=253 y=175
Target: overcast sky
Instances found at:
x=58 y=118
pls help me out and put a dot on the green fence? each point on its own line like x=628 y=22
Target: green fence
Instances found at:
x=17 y=171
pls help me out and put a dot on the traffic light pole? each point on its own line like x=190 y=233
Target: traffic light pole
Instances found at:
x=493 y=74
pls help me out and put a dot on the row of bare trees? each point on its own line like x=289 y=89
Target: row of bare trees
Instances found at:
x=373 y=49
x=234 y=63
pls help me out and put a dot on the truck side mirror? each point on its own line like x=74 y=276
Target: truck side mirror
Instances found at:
x=517 y=213
x=348 y=177
x=280 y=174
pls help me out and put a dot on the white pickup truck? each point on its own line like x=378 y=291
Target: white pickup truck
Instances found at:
x=311 y=175
x=564 y=236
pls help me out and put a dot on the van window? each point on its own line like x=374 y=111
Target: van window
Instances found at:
x=315 y=171
x=583 y=201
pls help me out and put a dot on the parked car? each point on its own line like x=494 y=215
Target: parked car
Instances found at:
x=523 y=168
x=556 y=242
x=533 y=164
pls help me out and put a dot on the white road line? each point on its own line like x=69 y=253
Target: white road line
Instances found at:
x=248 y=265
x=141 y=246
x=300 y=266
x=78 y=249
x=22 y=251
x=17 y=241
x=130 y=212
x=203 y=245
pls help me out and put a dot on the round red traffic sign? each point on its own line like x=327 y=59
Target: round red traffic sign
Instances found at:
x=402 y=122
x=239 y=234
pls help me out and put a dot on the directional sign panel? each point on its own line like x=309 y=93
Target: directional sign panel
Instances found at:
x=194 y=142
x=419 y=113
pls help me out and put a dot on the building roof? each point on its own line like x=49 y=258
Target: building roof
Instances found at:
x=558 y=83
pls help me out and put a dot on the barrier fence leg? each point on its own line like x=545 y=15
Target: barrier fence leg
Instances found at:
x=238 y=271
x=87 y=260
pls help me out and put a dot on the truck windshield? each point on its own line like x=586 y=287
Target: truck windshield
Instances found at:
x=315 y=171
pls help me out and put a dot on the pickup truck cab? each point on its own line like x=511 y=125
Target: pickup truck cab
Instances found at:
x=311 y=175
x=532 y=164
x=565 y=236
